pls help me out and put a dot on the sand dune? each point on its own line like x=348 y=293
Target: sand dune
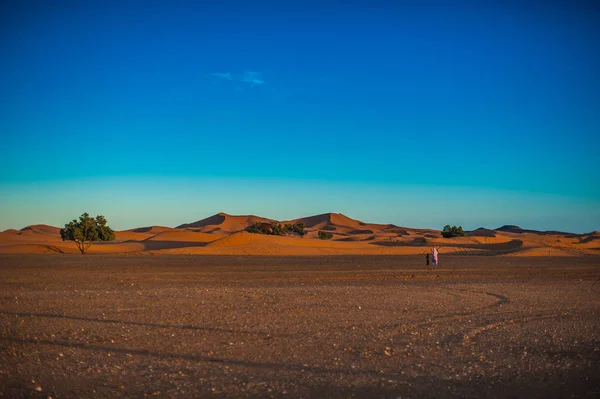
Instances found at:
x=140 y=233
x=593 y=237
x=223 y=223
x=324 y=220
x=41 y=229
x=481 y=232
x=509 y=228
x=248 y=239
x=244 y=243
x=344 y=228
x=225 y=234
x=37 y=232
x=68 y=247
x=150 y=229
x=184 y=236
x=130 y=236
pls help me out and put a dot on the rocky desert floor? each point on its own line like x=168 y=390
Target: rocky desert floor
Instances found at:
x=188 y=326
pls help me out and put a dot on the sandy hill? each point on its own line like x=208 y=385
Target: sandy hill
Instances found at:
x=223 y=223
x=140 y=233
x=41 y=229
x=245 y=239
x=481 y=232
x=183 y=235
x=342 y=226
x=223 y=234
x=328 y=220
x=516 y=229
x=33 y=233
x=593 y=237
x=259 y=244
x=150 y=229
x=510 y=228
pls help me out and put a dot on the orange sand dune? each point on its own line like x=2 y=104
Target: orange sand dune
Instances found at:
x=167 y=238
x=116 y=247
x=289 y=251
x=69 y=247
x=347 y=229
x=244 y=243
x=37 y=232
x=140 y=233
x=482 y=232
x=31 y=248
x=41 y=229
x=224 y=234
x=129 y=236
x=325 y=220
x=243 y=239
x=222 y=223
x=150 y=229
x=184 y=236
x=593 y=239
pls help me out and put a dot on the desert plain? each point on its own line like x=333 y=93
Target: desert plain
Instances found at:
x=208 y=310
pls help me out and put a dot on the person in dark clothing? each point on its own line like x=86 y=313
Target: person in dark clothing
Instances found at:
x=427 y=258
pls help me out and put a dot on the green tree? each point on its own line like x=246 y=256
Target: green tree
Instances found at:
x=447 y=232
x=86 y=230
x=454 y=231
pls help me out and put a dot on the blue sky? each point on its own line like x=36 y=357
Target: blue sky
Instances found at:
x=419 y=115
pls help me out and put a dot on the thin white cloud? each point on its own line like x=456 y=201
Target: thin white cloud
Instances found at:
x=254 y=78
x=222 y=75
x=249 y=77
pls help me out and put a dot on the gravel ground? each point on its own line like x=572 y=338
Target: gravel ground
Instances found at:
x=98 y=326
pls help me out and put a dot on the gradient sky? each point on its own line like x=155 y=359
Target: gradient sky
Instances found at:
x=418 y=115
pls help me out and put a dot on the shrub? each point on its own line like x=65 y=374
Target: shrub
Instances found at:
x=449 y=232
x=298 y=228
x=325 y=235
x=258 y=228
x=277 y=229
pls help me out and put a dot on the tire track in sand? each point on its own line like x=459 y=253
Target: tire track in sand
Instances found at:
x=502 y=300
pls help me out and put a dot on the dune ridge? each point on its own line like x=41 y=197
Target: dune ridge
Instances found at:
x=224 y=223
x=225 y=234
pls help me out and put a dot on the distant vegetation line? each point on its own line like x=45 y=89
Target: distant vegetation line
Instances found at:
x=277 y=229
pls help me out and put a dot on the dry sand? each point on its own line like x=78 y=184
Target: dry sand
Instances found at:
x=224 y=234
x=108 y=326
